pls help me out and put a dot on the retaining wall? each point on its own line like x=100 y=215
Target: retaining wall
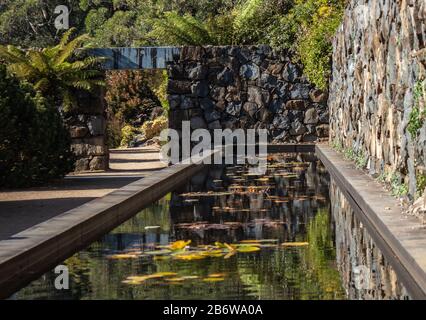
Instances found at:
x=379 y=60
x=246 y=87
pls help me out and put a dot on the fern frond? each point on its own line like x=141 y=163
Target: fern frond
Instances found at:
x=68 y=50
x=39 y=61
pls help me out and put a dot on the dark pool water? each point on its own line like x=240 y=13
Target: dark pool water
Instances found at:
x=286 y=215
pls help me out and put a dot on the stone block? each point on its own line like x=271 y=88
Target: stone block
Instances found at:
x=295 y=105
x=311 y=116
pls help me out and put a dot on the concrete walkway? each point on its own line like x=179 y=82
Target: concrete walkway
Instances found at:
x=24 y=208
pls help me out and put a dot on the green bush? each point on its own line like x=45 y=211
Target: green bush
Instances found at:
x=34 y=145
x=151 y=129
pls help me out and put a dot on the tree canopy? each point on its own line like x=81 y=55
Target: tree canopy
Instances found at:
x=305 y=27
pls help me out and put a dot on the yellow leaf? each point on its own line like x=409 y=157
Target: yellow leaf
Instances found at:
x=229 y=247
x=230 y=254
x=178 y=279
x=216 y=275
x=190 y=257
x=295 y=244
x=178 y=245
x=248 y=249
x=213 y=279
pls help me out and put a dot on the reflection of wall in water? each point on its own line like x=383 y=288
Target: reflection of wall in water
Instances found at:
x=359 y=258
x=296 y=213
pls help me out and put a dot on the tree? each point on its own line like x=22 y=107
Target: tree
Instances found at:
x=30 y=23
x=55 y=71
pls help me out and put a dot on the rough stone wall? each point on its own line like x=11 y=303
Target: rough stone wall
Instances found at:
x=246 y=87
x=87 y=125
x=379 y=58
x=364 y=270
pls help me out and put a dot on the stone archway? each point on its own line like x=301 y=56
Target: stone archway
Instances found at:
x=216 y=87
x=88 y=122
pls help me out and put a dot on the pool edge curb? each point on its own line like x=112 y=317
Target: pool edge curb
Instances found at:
x=393 y=238
x=27 y=253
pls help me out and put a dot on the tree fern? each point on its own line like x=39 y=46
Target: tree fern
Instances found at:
x=55 y=71
x=176 y=29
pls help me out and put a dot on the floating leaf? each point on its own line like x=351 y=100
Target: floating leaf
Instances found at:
x=190 y=277
x=158 y=252
x=246 y=249
x=176 y=279
x=190 y=256
x=213 y=279
x=123 y=256
x=230 y=254
x=216 y=275
x=229 y=247
x=178 y=245
x=295 y=244
x=160 y=258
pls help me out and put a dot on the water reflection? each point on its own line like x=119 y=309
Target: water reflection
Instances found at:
x=290 y=204
x=365 y=272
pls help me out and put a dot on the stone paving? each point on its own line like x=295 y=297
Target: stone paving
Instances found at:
x=23 y=208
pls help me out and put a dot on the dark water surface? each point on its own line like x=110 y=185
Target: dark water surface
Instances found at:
x=280 y=235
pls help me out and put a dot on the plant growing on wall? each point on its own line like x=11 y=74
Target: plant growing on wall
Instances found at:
x=418 y=113
x=56 y=71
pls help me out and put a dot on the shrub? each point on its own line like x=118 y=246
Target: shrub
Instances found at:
x=34 y=145
x=129 y=96
x=151 y=129
x=132 y=97
x=128 y=132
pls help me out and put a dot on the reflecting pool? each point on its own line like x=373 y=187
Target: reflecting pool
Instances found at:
x=230 y=234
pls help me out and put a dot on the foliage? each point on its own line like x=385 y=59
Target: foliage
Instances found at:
x=129 y=96
x=128 y=133
x=420 y=184
x=151 y=129
x=315 y=50
x=175 y=29
x=398 y=188
x=54 y=71
x=30 y=23
x=34 y=145
x=305 y=27
x=132 y=98
x=357 y=156
x=417 y=116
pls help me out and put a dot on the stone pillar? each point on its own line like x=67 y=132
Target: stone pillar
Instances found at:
x=87 y=125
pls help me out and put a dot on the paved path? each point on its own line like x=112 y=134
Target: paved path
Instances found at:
x=23 y=208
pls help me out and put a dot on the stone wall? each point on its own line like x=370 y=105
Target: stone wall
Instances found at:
x=378 y=61
x=87 y=125
x=245 y=87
